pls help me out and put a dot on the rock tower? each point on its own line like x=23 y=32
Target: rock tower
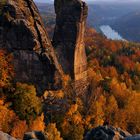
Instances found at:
x=23 y=34
x=68 y=39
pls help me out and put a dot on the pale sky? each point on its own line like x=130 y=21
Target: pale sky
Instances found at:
x=43 y=1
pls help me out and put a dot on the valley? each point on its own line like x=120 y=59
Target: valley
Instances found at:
x=67 y=71
x=117 y=16
x=110 y=33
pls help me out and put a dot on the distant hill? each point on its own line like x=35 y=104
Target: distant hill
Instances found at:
x=129 y=26
x=45 y=1
x=119 y=16
x=108 y=13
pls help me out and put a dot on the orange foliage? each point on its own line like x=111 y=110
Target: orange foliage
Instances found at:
x=7 y=117
x=114 y=76
x=6 y=68
x=38 y=124
x=19 y=129
x=126 y=62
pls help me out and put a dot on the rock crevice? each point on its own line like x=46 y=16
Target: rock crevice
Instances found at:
x=23 y=34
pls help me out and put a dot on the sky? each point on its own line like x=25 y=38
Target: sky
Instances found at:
x=43 y=1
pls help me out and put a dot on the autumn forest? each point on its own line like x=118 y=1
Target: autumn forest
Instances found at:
x=112 y=97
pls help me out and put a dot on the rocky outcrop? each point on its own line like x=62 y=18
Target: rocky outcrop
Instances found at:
x=136 y=137
x=4 y=136
x=36 y=135
x=68 y=38
x=107 y=133
x=23 y=34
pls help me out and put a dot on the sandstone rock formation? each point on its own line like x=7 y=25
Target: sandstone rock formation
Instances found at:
x=36 y=135
x=23 y=34
x=107 y=133
x=136 y=137
x=99 y=133
x=68 y=38
x=4 y=136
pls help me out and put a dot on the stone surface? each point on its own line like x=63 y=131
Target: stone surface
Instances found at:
x=136 y=137
x=68 y=38
x=107 y=133
x=22 y=33
x=34 y=135
x=4 y=136
x=99 y=133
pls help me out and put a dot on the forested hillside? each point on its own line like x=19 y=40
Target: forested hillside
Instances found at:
x=45 y=100
x=128 y=26
x=114 y=93
x=114 y=76
x=122 y=17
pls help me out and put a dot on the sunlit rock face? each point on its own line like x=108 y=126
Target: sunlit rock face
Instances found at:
x=23 y=34
x=68 y=38
x=4 y=136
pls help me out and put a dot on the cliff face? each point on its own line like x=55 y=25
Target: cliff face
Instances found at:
x=68 y=38
x=22 y=33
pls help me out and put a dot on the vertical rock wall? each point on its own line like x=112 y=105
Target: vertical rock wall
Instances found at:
x=68 y=39
x=23 y=34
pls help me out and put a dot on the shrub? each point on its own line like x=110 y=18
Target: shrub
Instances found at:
x=26 y=104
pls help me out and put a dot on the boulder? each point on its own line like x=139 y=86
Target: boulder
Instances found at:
x=136 y=137
x=106 y=133
x=34 y=135
x=4 y=136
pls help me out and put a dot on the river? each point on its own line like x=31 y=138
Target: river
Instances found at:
x=110 y=33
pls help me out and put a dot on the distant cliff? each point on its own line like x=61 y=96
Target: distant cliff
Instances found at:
x=23 y=34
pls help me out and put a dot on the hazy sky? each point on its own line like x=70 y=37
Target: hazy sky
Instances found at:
x=93 y=0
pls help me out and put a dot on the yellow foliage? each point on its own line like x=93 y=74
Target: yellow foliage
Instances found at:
x=52 y=132
x=132 y=112
x=59 y=94
x=97 y=110
x=38 y=124
x=1 y=102
x=72 y=109
x=66 y=79
x=7 y=118
x=96 y=76
x=77 y=118
x=6 y=69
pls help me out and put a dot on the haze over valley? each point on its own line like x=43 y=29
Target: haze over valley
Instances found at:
x=69 y=70
x=118 y=15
